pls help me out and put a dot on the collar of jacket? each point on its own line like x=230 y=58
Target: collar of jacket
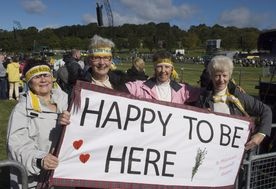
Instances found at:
x=206 y=101
x=133 y=70
x=152 y=82
x=114 y=78
x=69 y=60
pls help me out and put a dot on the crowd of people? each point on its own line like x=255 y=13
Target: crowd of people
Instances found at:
x=41 y=112
x=9 y=77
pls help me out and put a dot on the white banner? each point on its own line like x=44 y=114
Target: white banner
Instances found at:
x=118 y=141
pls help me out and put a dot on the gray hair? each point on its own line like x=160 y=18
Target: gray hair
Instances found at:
x=220 y=63
x=100 y=42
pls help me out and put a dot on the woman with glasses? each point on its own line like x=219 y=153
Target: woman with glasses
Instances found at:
x=100 y=60
x=100 y=71
x=32 y=128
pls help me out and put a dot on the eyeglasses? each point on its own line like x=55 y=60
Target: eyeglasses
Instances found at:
x=46 y=75
x=99 y=58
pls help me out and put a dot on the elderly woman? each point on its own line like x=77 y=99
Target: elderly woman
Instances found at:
x=220 y=99
x=100 y=59
x=32 y=129
x=100 y=72
x=161 y=86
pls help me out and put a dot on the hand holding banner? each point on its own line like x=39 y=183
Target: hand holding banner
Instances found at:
x=124 y=142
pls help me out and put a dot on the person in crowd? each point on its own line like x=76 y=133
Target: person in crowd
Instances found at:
x=161 y=86
x=81 y=62
x=32 y=128
x=58 y=64
x=204 y=79
x=3 y=78
x=14 y=78
x=22 y=63
x=137 y=71
x=218 y=99
x=74 y=69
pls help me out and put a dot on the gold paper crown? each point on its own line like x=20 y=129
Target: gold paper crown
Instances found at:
x=37 y=70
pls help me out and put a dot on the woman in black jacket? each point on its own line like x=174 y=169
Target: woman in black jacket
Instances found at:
x=137 y=71
x=219 y=98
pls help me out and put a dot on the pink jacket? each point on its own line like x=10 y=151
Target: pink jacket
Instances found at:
x=181 y=93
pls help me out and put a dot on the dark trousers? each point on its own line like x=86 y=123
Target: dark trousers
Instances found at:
x=3 y=87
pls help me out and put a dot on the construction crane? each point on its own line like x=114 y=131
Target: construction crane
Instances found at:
x=17 y=25
x=108 y=11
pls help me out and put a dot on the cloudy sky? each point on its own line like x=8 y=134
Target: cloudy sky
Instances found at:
x=183 y=13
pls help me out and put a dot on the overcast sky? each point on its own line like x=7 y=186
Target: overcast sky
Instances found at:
x=183 y=13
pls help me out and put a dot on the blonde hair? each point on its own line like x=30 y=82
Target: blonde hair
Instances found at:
x=220 y=63
x=174 y=75
x=100 y=42
x=139 y=64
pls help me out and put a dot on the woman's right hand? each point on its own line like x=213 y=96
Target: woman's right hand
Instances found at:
x=49 y=162
x=64 y=118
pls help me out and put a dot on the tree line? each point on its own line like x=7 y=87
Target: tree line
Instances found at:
x=129 y=37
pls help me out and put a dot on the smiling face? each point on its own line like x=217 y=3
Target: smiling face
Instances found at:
x=163 y=72
x=220 y=80
x=42 y=84
x=220 y=69
x=100 y=66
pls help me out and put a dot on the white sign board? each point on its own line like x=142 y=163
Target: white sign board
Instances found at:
x=119 y=141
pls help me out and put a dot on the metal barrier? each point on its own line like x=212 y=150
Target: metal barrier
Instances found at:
x=261 y=171
x=21 y=168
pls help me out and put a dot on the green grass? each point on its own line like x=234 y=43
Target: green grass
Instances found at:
x=247 y=77
x=6 y=107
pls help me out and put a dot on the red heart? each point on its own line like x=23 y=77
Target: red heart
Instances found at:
x=84 y=158
x=77 y=144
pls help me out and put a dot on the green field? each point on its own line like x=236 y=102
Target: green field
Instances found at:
x=247 y=77
x=5 y=109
